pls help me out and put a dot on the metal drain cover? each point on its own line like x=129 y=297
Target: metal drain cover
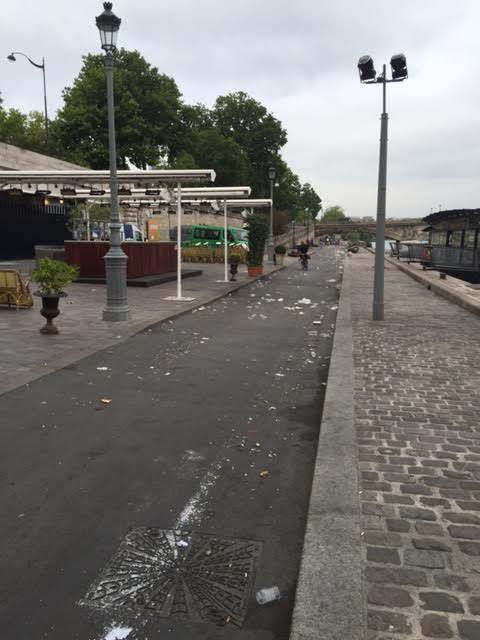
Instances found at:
x=179 y=573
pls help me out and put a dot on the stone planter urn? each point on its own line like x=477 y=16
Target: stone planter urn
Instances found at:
x=50 y=311
x=233 y=271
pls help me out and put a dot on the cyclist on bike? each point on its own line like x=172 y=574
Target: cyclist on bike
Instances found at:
x=303 y=254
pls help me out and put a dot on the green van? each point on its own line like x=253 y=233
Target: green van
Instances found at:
x=203 y=235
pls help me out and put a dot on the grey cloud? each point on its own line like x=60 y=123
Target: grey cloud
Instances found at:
x=299 y=58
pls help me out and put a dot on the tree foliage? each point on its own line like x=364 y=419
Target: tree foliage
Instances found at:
x=335 y=213
x=23 y=130
x=258 y=132
x=147 y=113
x=238 y=137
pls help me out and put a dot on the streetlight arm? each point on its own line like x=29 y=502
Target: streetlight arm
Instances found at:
x=35 y=64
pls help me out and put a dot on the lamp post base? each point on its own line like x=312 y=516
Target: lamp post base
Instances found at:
x=116 y=314
x=117 y=309
x=378 y=311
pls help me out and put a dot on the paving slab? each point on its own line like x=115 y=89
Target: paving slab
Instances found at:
x=416 y=402
x=27 y=354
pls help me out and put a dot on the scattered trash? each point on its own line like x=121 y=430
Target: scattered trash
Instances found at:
x=280 y=300
x=264 y=474
x=257 y=444
x=208 y=552
x=103 y=368
x=168 y=373
x=182 y=543
x=304 y=301
x=280 y=375
x=201 y=308
x=105 y=400
x=268 y=595
x=263 y=317
x=317 y=322
x=227 y=619
x=118 y=633
x=334 y=308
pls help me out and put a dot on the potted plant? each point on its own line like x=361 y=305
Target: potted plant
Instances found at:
x=52 y=276
x=234 y=260
x=257 y=227
x=280 y=251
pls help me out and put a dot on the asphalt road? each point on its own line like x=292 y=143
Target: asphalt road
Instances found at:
x=211 y=429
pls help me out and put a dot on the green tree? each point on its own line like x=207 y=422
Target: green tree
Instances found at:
x=334 y=214
x=309 y=200
x=258 y=132
x=212 y=150
x=23 y=130
x=147 y=113
x=286 y=195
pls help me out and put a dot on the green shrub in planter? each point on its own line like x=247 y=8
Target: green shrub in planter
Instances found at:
x=53 y=275
x=234 y=258
x=281 y=249
x=257 y=227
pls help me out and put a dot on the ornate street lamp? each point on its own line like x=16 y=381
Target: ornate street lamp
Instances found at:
x=12 y=58
x=272 y=174
x=117 y=308
x=368 y=75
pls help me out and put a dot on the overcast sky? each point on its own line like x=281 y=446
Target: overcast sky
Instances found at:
x=299 y=59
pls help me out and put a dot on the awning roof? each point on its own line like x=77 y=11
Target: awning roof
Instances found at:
x=88 y=177
x=452 y=214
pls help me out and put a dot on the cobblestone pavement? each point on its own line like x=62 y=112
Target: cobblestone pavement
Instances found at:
x=27 y=355
x=417 y=408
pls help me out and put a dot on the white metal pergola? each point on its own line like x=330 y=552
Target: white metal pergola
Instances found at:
x=68 y=181
x=227 y=195
x=87 y=177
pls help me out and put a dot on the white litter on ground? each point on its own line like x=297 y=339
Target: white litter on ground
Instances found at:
x=280 y=375
x=304 y=301
x=118 y=633
x=103 y=368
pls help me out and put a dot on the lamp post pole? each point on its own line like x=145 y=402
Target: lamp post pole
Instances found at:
x=368 y=76
x=270 y=245
x=117 y=308
x=115 y=259
x=378 y=279
x=12 y=58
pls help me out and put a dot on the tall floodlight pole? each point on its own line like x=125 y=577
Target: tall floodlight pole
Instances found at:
x=272 y=174
x=12 y=58
x=117 y=308
x=368 y=75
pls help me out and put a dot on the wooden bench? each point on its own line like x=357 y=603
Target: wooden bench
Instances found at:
x=13 y=290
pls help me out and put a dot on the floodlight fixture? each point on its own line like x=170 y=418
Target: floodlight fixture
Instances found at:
x=399 y=66
x=366 y=69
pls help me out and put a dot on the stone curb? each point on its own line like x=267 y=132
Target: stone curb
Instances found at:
x=442 y=289
x=38 y=371
x=329 y=602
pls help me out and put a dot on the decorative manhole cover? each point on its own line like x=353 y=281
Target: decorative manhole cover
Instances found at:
x=178 y=573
